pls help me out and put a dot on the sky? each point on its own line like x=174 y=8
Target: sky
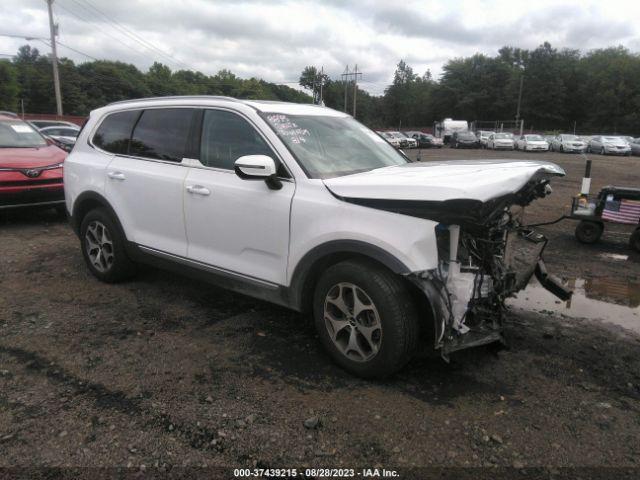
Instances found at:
x=274 y=40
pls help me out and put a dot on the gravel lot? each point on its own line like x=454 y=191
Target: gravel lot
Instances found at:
x=167 y=372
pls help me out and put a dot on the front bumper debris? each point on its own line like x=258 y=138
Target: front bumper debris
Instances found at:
x=467 y=302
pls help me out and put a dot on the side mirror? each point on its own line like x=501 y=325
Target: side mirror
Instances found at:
x=258 y=167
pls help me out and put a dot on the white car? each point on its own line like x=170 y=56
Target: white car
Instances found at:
x=62 y=133
x=501 y=141
x=392 y=139
x=40 y=124
x=403 y=140
x=609 y=145
x=411 y=142
x=567 y=142
x=532 y=143
x=303 y=206
x=483 y=137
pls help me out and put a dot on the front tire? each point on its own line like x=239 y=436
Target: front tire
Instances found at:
x=366 y=318
x=589 y=232
x=103 y=247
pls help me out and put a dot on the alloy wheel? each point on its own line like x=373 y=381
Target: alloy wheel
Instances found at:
x=99 y=246
x=353 y=322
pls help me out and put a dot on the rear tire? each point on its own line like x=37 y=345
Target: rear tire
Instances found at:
x=103 y=247
x=588 y=231
x=634 y=241
x=375 y=335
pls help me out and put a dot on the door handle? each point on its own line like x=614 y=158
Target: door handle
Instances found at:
x=198 y=190
x=116 y=175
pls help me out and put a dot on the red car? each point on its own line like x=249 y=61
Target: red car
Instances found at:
x=30 y=166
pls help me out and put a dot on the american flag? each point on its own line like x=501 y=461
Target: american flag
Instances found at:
x=622 y=211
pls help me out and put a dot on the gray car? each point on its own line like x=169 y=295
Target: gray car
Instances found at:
x=609 y=145
x=566 y=142
x=635 y=146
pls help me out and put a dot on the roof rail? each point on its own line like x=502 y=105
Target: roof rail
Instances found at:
x=176 y=97
x=10 y=114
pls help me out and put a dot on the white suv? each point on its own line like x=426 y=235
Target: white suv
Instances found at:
x=303 y=206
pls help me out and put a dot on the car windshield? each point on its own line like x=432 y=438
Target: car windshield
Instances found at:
x=17 y=134
x=466 y=136
x=612 y=139
x=502 y=135
x=327 y=146
x=534 y=137
x=570 y=137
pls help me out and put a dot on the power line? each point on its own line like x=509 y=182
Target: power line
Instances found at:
x=131 y=34
x=80 y=17
x=77 y=51
x=25 y=37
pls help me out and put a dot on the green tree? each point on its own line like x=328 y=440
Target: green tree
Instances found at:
x=8 y=86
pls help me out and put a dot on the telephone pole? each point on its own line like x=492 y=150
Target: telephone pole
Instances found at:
x=355 y=88
x=519 y=97
x=345 y=77
x=54 y=58
x=321 y=84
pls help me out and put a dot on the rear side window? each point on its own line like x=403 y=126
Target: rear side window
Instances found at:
x=114 y=132
x=162 y=133
x=227 y=137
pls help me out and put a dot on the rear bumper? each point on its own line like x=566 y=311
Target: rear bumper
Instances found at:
x=51 y=195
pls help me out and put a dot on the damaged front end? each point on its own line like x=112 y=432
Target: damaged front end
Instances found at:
x=482 y=262
x=485 y=252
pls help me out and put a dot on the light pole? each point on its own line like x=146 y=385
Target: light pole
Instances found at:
x=519 y=98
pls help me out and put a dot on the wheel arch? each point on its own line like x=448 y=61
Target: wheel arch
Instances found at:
x=309 y=268
x=86 y=202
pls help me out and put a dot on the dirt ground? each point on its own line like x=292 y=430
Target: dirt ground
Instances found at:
x=167 y=372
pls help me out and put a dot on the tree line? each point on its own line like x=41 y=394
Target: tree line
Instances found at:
x=596 y=91
x=89 y=85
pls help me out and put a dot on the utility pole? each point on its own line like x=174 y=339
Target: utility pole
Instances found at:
x=321 y=84
x=355 y=88
x=54 y=58
x=519 y=97
x=345 y=76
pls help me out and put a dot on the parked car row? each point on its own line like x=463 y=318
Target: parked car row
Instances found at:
x=564 y=143
x=62 y=133
x=411 y=139
x=398 y=139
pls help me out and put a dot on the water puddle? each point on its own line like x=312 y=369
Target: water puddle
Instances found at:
x=604 y=299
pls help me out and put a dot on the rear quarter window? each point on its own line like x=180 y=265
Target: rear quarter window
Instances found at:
x=114 y=133
x=162 y=134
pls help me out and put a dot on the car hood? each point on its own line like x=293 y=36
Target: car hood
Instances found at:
x=31 y=157
x=616 y=143
x=479 y=180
